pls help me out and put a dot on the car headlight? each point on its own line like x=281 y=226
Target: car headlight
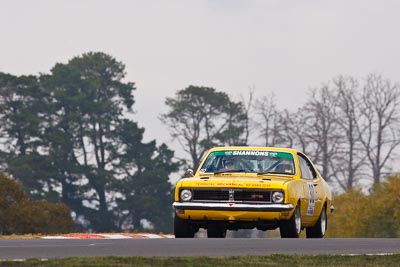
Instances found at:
x=277 y=197
x=186 y=195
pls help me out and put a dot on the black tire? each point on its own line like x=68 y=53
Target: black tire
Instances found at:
x=292 y=227
x=182 y=229
x=216 y=232
x=319 y=229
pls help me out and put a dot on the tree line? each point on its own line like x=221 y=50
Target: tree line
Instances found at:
x=349 y=127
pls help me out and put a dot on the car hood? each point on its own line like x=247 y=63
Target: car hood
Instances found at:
x=235 y=181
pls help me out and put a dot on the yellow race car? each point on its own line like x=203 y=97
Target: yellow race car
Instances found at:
x=253 y=187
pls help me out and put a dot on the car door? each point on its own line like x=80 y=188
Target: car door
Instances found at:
x=318 y=191
x=312 y=189
x=309 y=192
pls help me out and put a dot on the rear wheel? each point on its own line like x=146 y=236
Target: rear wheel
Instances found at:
x=292 y=227
x=182 y=229
x=319 y=229
x=216 y=232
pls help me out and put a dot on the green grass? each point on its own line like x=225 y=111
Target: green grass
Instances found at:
x=269 y=260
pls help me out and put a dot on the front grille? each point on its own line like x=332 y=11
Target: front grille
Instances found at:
x=232 y=195
x=210 y=195
x=253 y=196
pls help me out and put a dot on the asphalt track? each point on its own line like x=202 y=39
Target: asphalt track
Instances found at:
x=168 y=247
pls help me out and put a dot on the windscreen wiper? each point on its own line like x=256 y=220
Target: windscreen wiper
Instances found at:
x=264 y=173
x=234 y=170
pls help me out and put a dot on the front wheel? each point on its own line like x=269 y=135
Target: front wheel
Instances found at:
x=292 y=227
x=182 y=229
x=319 y=229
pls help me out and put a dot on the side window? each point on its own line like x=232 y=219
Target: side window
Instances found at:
x=312 y=170
x=307 y=170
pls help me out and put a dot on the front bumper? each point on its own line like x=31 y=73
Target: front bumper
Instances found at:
x=232 y=206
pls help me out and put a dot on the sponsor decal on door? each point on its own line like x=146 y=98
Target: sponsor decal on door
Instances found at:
x=311 y=201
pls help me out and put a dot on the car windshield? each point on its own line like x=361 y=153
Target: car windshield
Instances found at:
x=254 y=161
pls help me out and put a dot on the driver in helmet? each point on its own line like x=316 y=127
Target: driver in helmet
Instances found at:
x=228 y=164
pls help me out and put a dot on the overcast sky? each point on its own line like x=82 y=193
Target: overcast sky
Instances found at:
x=278 y=46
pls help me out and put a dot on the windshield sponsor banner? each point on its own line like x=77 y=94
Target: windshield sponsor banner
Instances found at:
x=274 y=154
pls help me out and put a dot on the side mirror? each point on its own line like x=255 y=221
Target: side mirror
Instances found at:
x=190 y=172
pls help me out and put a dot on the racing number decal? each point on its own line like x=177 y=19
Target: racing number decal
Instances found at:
x=311 y=201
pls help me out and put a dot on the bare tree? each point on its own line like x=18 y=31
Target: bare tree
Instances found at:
x=379 y=127
x=289 y=131
x=321 y=127
x=268 y=120
x=294 y=133
x=247 y=105
x=350 y=157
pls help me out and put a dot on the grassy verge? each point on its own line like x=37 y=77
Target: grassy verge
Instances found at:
x=268 y=260
x=21 y=236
